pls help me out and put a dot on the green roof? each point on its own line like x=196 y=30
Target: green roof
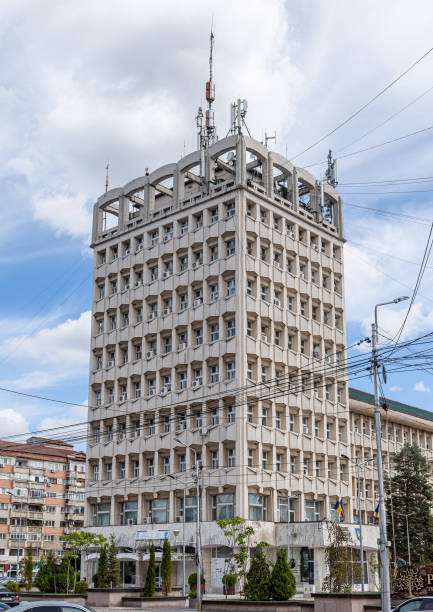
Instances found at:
x=362 y=396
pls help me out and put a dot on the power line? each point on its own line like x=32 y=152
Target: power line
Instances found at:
x=353 y=115
x=413 y=218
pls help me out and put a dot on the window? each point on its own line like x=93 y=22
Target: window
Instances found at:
x=231 y=414
x=317 y=469
x=214 y=374
x=101 y=514
x=250 y=457
x=222 y=507
x=231 y=370
x=213 y=253
x=190 y=510
x=285 y=510
x=214 y=294
x=214 y=332
x=249 y=328
x=214 y=416
x=128 y=512
x=264 y=416
x=159 y=510
x=249 y=287
x=198 y=336
x=230 y=209
x=183 y=226
x=277 y=338
x=263 y=292
x=257 y=507
x=166 y=465
x=154 y=237
x=231 y=286
x=312 y=510
x=264 y=459
x=291 y=422
x=230 y=247
x=213 y=215
x=150 y=467
x=182 y=463
x=183 y=301
x=214 y=460
x=250 y=413
x=278 y=416
x=231 y=328
x=183 y=263
x=109 y=471
x=278 y=462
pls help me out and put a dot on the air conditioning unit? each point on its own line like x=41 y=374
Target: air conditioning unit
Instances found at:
x=128 y=252
x=215 y=296
x=179 y=519
x=276 y=302
x=316 y=353
x=139 y=247
x=196 y=264
x=166 y=274
x=152 y=391
x=264 y=338
x=195 y=384
x=315 y=247
x=292 y=235
x=203 y=431
x=198 y=302
x=126 y=286
x=138 y=283
x=153 y=315
x=53 y=471
x=149 y=354
x=168 y=310
x=111 y=363
x=166 y=239
x=130 y=521
x=163 y=391
x=123 y=397
x=182 y=346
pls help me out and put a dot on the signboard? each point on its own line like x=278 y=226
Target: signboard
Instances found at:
x=146 y=535
x=414 y=580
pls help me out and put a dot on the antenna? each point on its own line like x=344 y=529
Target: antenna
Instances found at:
x=210 y=96
x=107 y=167
x=331 y=176
x=274 y=137
x=238 y=111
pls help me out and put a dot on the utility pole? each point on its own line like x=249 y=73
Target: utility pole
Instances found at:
x=383 y=542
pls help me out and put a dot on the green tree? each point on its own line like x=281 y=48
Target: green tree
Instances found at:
x=150 y=584
x=26 y=568
x=411 y=494
x=100 y=578
x=258 y=578
x=78 y=543
x=238 y=535
x=342 y=573
x=283 y=583
x=45 y=576
x=113 y=564
x=166 y=566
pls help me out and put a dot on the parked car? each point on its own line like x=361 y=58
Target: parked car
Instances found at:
x=8 y=597
x=417 y=603
x=51 y=606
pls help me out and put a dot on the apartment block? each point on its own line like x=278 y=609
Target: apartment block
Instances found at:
x=42 y=484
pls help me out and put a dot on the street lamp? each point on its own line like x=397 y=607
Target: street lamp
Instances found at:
x=361 y=544
x=384 y=559
x=407 y=532
x=183 y=538
x=198 y=544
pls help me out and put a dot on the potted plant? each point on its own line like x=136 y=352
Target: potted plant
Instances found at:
x=229 y=582
x=192 y=581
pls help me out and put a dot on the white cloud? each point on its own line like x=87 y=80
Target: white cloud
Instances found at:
x=65 y=213
x=420 y=386
x=13 y=423
x=67 y=417
x=64 y=346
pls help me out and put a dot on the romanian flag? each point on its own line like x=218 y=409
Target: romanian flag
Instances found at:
x=340 y=509
x=377 y=512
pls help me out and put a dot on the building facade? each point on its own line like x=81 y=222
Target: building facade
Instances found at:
x=42 y=484
x=218 y=333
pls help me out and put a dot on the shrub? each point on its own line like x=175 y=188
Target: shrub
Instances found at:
x=81 y=586
x=192 y=581
x=258 y=578
x=166 y=566
x=14 y=587
x=192 y=594
x=230 y=579
x=283 y=584
x=150 y=584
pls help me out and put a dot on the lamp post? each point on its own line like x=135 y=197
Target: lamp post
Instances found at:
x=361 y=544
x=384 y=559
x=289 y=541
x=406 y=516
x=198 y=543
x=183 y=538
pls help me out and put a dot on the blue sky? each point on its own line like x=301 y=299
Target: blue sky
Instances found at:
x=122 y=81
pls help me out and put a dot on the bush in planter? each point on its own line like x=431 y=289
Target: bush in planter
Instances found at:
x=150 y=584
x=192 y=594
x=283 y=584
x=81 y=587
x=258 y=578
x=192 y=581
x=14 y=587
x=229 y=582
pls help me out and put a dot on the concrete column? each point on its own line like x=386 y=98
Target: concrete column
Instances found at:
x=171 y=506
x=295 y=190
x=123 y=211
x=140 y=508
x=113 y=511
x=269 y=177
x=97 y=222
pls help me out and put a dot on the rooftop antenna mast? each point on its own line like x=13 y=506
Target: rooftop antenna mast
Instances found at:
x=210 y=97
x=331 y=175
x=107 y=167
x=268 y=138
x=206 y=134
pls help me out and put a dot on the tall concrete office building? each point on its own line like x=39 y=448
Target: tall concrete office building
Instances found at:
x=218 y=331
